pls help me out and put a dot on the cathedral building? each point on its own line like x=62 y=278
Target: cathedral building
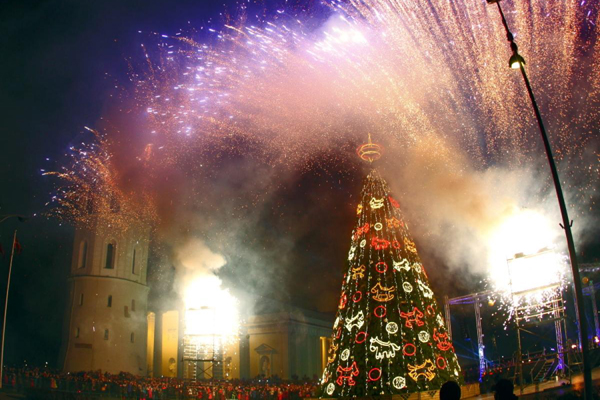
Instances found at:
x=105 y=324
x=108 y=326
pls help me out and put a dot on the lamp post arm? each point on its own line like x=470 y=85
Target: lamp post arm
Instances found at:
x=566 y=225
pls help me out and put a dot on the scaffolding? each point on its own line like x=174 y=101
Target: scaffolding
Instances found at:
x=549 y=309
x=202 y=347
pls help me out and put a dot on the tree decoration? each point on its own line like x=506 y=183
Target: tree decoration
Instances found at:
x=383 y=349
x=375 y=374
x=442 y=341
x=423 y=336
x=382 y=294
x=390 y=341
x=380 y=311
x=402 y=265
x=358 y=272
x=391 y=328
x=381 y=267
x=361 y=337
x=345 y=354
x=410 y=245
x=379 y=244
x=346 y=375
x=356 y=321
x=441 y=362
x=394 y=223
x=361 y=231
x=427 y=370
x=399 y=382
x=376 y=203
x=409 y=350
x=413 y=317
x=393 y=202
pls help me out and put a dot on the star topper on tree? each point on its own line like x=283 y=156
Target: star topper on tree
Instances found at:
x=389 y=336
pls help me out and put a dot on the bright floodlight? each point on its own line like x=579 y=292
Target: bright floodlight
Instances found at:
x=524 y=268
x=210 y=309
x=540 y=271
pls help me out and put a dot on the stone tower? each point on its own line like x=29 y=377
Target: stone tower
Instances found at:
x=106 y=319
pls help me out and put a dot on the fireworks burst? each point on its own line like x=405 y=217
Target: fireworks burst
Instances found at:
x=427 y=79
x=90 y=190
x=407 y=71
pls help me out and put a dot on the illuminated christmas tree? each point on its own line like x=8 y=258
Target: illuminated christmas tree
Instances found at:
x=389 y=336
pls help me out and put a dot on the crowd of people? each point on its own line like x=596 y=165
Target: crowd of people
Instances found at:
x=127 y=386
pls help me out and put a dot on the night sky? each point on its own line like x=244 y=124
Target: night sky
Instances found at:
x=59 y=61
x=56 y=55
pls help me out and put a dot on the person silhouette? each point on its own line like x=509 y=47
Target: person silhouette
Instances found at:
x=503 y=390
x=450 y=391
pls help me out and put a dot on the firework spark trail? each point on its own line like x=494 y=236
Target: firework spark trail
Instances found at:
x=406 y=69
x=91 y=190
x=410 y=72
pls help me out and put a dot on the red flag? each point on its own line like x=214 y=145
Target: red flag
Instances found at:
x=18 y=246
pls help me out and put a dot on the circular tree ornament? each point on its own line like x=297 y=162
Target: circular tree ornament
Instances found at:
x=407 y=287
x=345 y=355
x=330 y=388
x=399 y=382
x=423 y=336
x=391 y=328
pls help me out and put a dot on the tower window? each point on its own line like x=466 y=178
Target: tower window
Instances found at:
x=132 y=305
x=77 y=332
x=109 y=304
x=89 y=205
x=83 y=254
x=133 y=262
x=110 y=256
x=126 y=312
x=132 y=337
x=81 y=299
x=106 y=334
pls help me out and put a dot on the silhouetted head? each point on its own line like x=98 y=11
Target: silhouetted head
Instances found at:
x=450 y=391
x=504 y=390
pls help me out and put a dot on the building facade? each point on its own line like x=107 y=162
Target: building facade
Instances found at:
x=106 y=319
x=288 y=344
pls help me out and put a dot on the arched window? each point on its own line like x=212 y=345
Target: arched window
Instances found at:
x=110 y=256
x=132 y=305
x=77 y=332
x=133 y=270
x=83 y=254
x=81 y=299
x=109 y=301
x=132 y=337
x=106 y=334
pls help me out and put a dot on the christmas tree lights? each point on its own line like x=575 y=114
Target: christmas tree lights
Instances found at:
x=389 y=336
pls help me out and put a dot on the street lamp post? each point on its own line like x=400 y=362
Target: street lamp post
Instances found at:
x=3 y=218
x=517 y=62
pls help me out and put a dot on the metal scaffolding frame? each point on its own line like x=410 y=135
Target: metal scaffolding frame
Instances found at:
x=202 y=355
x=474 y=299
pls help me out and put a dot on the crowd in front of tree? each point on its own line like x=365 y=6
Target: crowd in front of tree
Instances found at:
x=47 y=384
